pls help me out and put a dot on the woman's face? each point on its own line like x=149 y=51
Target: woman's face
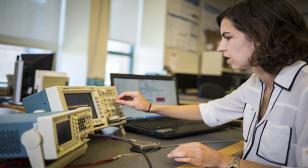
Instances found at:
x=235 y=46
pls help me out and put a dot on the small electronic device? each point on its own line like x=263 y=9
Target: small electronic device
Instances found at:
x=105 y=111
x=64 y=132
x=45 y=136
x=63 y=98
x=45 y=79
x=144 y=146
x=108 y=95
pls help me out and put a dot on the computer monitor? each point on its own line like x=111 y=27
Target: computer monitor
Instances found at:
x=186 y=81
x=156 y=89
x=33 y=62
x=25 y=68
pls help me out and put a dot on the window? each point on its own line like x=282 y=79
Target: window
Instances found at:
x=119 y=59
x=9 y=53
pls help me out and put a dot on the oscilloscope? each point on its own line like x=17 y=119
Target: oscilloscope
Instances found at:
x=71 y=130
x=63 y=98
x=46 y=136
x=108 y=95
x=105 y=111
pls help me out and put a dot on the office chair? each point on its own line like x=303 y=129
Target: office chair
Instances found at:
x=211 y=90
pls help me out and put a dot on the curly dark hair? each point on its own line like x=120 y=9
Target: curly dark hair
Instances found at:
x=276 y=28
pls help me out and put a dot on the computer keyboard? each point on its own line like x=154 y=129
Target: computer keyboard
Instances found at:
x=165 y=122
x=167 y=128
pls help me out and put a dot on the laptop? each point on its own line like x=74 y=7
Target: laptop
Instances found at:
x=158 y=90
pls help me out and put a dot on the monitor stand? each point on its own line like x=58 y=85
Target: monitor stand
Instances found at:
x=17 y=82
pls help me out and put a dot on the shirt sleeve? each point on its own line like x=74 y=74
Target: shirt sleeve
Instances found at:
x=301 y=131
x=226 y=109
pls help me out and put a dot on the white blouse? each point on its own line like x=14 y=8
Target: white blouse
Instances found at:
x=280 y=138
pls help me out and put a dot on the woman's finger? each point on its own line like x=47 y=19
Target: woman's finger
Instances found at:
x=186 y=160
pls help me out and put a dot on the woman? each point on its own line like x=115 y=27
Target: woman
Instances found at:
x=270 y=38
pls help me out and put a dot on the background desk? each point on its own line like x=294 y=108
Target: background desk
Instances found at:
x=105 y=149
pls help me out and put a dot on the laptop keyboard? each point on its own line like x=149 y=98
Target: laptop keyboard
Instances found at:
x=167 y=128
x=161 y=123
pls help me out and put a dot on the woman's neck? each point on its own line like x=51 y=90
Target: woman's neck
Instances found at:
x=267 y=78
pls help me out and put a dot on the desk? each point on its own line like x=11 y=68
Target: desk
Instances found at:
x=16 y=108
x=105 y=149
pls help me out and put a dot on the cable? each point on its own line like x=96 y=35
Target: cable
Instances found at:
x=133 y=143
x=101 y=136
x=99 y=162
x=203 y=142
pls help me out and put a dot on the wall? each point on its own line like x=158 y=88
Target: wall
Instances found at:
x=149 y=51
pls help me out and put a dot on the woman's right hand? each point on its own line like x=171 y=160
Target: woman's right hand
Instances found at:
x=134 y=100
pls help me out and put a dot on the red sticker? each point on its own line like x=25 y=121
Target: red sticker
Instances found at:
x=160 y=99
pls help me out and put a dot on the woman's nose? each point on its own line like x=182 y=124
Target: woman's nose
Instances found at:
x=221 y=47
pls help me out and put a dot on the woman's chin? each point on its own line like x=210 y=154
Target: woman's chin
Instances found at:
x=236 y=68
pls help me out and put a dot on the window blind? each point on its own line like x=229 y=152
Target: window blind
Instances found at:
x=30 y=23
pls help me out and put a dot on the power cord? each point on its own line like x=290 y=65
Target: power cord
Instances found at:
x=138 y=146
x=99 y=162
x=101 y=136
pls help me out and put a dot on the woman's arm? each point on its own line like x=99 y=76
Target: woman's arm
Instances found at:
x=137 y=101
x=189 y=112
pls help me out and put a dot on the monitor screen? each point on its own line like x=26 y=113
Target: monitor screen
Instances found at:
x=186 y=81
x=33 y=62
x=64 y=133
x=75 y=100
x=156 y=89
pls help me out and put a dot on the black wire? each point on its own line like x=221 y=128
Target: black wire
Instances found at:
x=121 y=139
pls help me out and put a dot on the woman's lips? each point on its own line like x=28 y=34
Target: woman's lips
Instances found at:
x=229 y=61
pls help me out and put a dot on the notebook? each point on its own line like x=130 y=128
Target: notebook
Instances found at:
x=158 y=90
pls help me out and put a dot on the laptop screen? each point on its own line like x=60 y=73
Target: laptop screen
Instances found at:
x=156 y=89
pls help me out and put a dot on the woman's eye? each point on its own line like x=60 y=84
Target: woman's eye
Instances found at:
x=228 y=38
